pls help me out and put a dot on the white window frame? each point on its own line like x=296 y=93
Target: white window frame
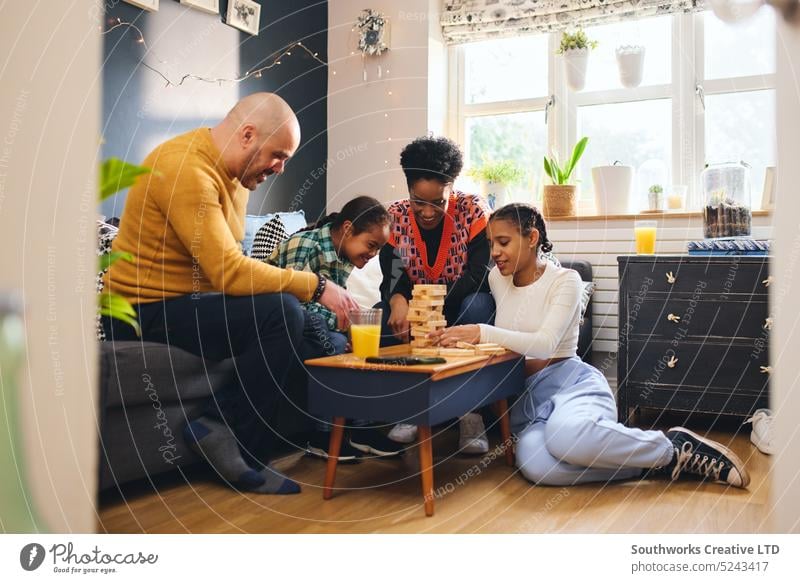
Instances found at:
x=688 y=116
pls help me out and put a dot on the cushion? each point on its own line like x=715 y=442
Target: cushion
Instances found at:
x=586 y=295
x=293 y=221
x=267 y=239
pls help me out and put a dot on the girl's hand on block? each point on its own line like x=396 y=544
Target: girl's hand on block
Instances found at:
x=470 y=333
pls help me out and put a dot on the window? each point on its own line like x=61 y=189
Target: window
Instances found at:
x=702 y=78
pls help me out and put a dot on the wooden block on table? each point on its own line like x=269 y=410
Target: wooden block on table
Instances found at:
x=488 y=345
x=461 y=344
x=425 y=351
x=456 y=352
x=491 y=351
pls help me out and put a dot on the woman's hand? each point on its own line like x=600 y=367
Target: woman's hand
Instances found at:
x=470 y=333
x=398 y=322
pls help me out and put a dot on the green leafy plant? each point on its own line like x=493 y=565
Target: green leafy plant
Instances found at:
x=559 y=174
x=116 y=175
x=656 y=189
x=502 y=172
x=574 y=41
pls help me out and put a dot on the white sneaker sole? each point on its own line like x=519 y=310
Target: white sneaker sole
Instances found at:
x=761 y=446
x=727 y=452
x=473 y=448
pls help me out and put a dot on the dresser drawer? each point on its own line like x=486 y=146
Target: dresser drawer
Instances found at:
x=698 y=318
x=697 y=366
x=693 y=276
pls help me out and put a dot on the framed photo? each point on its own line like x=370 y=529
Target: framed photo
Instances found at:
x=151 y=5
x=768 y=196
x=210 y=6
x=244 y=15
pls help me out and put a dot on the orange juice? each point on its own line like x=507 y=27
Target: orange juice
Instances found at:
x=645 y=240
x=366 y=339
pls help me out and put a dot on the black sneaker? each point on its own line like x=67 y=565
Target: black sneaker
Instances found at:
x=318 y=445
x=371 y=441
x=705 y=458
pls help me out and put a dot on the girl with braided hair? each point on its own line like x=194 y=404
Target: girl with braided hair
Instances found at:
x=566 y=418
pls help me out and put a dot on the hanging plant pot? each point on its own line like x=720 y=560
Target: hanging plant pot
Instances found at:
x=559 y=201
x=630 y=60
x=575 y=62
x=612 y=189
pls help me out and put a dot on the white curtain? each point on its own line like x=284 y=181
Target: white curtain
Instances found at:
x=472 y=20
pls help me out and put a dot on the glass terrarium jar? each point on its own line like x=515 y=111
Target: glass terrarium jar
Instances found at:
x=726 y=188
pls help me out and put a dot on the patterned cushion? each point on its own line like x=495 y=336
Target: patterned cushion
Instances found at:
x=105 y=236
x=269 y=236
x=586 y=295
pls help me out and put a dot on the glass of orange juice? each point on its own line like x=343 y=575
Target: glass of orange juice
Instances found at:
x=645 y=233
x=365 y=332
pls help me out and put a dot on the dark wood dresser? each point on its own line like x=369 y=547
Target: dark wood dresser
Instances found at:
x=693 y=334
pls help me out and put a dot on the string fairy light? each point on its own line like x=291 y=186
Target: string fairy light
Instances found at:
x=254 y=73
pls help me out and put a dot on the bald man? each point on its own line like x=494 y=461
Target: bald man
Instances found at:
x=194 y=288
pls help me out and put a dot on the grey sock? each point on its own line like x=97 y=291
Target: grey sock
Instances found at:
x=215 y=443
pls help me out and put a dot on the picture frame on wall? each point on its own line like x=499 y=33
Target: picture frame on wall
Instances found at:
x=151 y=5
x=768 y=195
x=210 y=6
x=244 y=15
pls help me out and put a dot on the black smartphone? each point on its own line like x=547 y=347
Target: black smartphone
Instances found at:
x=406 y=360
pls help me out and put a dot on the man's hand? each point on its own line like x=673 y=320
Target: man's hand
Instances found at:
x=398 y=322
x=470 y=333
x=339 y=301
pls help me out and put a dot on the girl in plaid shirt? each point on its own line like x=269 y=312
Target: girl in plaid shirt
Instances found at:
x=333 y=247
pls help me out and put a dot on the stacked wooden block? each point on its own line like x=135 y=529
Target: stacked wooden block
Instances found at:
x=426 y=314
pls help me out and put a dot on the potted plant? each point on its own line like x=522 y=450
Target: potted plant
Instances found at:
x=612 y=188
x=630 y=61
x=655 y=197
x=116 y=175
x=559 y=197
x=575 y=49
x=495 y=178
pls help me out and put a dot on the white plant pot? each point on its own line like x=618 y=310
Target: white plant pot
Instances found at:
x=612 y=189
x=575 y=62
x=496 y=194
x=630 y=60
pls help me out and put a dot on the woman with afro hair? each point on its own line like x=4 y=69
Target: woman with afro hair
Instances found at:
x=438 y=236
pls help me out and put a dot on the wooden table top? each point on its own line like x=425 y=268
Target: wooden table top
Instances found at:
x=455 y=365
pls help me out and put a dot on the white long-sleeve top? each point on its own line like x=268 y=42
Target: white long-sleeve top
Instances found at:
x=540 y=320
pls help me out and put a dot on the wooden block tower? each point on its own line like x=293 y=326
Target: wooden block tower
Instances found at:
x=425 y=314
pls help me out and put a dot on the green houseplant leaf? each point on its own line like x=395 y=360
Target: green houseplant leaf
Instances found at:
x=115 y=306
x=116 y=175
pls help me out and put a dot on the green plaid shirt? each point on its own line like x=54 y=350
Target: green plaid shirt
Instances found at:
x=314 y=251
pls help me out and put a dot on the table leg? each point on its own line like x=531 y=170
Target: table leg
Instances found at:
x=426 y=467
x=505 y=431
x=337 y=432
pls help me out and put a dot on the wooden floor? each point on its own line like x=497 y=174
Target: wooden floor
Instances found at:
x=384 y=497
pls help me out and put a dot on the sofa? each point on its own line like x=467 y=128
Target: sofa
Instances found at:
x=149 y=390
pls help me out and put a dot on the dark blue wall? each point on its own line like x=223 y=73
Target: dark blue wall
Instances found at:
x=139 y=112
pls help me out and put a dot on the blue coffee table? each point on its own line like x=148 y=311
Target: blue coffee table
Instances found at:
x=346 y=387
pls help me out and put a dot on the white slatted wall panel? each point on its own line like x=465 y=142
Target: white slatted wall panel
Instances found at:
x=600 y=242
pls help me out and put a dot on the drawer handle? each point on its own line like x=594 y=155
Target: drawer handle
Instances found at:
x=766 y=370
x=674 y=318
x=671 y=278
x=770 y=279
x=768 y=323
x=672 y=361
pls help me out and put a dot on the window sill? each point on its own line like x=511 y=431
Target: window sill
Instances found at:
x=661 y=215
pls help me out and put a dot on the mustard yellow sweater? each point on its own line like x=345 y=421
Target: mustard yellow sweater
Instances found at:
x=184 y=223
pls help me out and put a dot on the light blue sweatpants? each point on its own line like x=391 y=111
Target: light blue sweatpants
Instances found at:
x=567 y=429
